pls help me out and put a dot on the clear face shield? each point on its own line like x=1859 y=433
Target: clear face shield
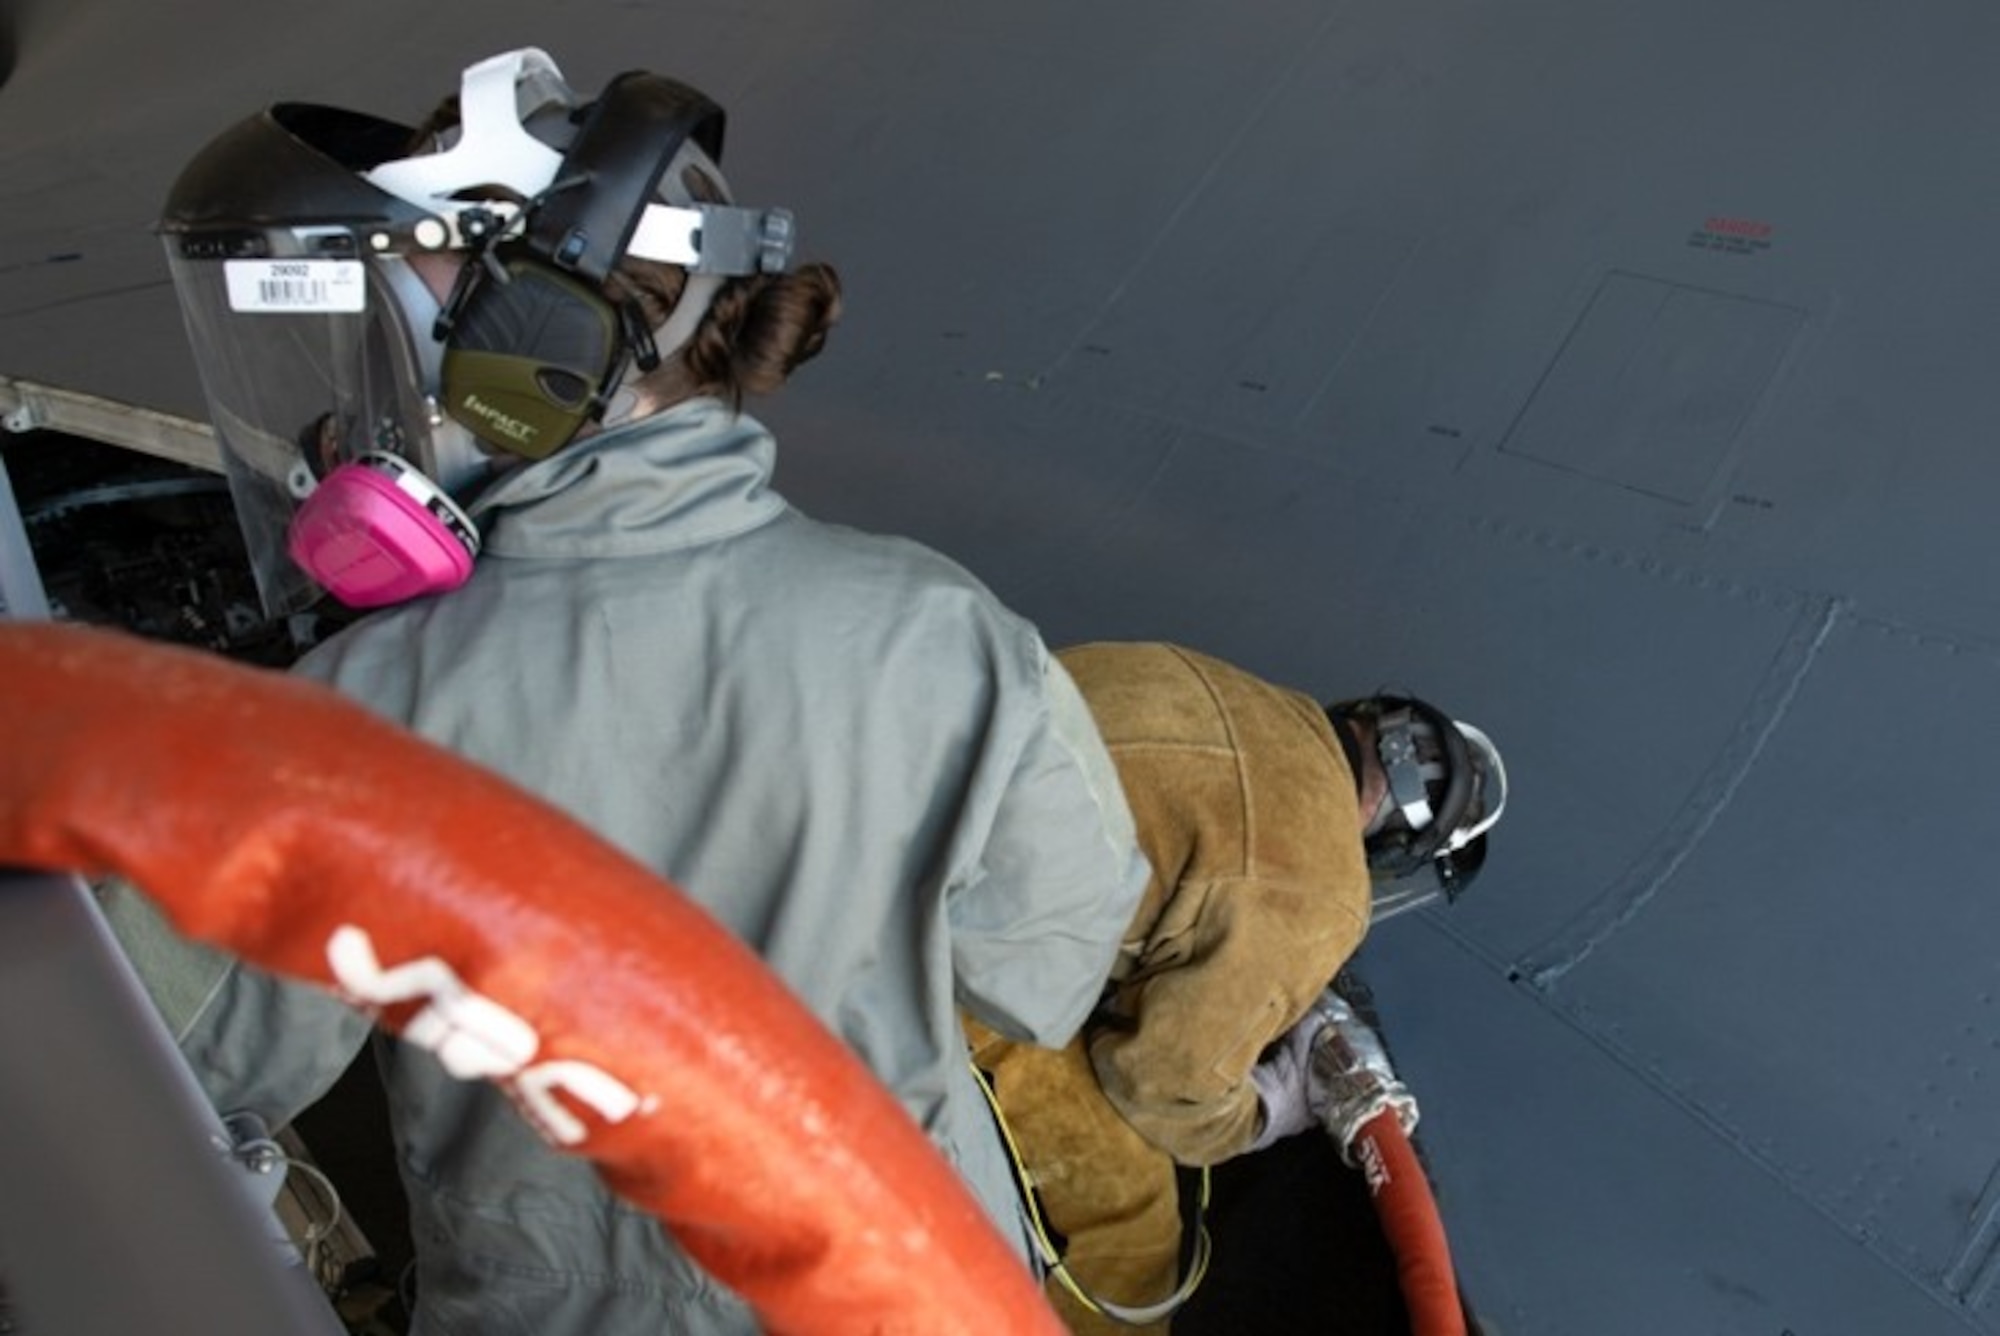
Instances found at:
x=310 y=363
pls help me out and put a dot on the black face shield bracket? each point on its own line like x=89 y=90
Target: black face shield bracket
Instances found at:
x=1413 y=866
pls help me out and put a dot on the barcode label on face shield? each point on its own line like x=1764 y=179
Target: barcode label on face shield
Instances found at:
x=292 y=286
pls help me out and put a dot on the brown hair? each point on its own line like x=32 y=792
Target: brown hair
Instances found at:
x=757 y=331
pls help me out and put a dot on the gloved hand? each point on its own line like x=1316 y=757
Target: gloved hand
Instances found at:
x=1284 y=1080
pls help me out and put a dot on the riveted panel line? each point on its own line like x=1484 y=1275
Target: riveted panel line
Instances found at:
x=1544 y=967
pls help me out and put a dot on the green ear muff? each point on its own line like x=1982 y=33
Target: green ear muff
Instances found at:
x=533 y=348
x=526 y=358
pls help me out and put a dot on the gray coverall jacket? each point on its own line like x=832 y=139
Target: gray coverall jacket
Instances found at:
x=840 y=743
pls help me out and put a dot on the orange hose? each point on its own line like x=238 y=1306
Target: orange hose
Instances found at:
x=264 y=813
x=1410 y=1221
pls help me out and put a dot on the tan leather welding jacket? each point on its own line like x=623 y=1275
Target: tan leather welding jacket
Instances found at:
x=1247 y=811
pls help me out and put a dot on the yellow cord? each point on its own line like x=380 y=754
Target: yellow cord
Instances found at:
x=1131 y=1315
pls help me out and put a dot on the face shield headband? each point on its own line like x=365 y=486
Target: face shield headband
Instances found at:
x=1446 y=788
x=629 y=137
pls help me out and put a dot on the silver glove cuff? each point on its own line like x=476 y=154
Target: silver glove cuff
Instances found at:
x=1351 y=1070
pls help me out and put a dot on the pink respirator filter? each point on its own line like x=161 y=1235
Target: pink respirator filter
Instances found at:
x=376 y=531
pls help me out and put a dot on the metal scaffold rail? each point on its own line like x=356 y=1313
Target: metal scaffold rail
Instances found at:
x=27 y=406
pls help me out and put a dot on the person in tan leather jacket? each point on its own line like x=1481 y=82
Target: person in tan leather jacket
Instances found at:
x=1267 y=819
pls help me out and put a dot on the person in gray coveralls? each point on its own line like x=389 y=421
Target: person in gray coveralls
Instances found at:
x=484 y=379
